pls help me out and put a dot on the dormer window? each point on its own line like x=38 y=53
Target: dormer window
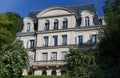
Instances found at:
x=56 y=25
x=28 y=27
x=47 y=23
x=65 y=23
x=87 y=21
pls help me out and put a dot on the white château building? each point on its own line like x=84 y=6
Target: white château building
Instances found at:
x=48 y=34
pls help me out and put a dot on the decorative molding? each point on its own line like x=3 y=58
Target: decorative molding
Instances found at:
x=59 y=30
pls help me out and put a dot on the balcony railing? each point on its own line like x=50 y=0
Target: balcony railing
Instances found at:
x=50 y=63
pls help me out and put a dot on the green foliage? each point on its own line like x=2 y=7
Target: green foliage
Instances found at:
x=106 y=61
x=5 y=36
x=81 y=63
x=17 y=21
x=112 y=30
x=46 y=77
x=109 y=47
x=11 y=21
x=13 y=58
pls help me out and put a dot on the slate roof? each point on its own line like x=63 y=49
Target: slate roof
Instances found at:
x=33 y=14
x=77 y=9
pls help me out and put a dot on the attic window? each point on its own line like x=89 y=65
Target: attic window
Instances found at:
x=28 y=27
x=55 y=24
x=46 y=25
x=87 y=21
x=65 y=23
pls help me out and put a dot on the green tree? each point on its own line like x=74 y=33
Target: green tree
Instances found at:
x=10 y=24
x=13 y=56
x=13 y=59
x=11 y=21
x=81 y=63
x=17 y=21
x=5 y=36
x=109 y=46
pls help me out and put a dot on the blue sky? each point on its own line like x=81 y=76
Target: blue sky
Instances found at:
x=23 y=7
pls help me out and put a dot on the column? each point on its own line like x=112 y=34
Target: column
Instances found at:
x=49 y=72
x=58 y=72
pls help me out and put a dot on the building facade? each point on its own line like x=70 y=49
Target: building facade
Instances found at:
x=48 y=34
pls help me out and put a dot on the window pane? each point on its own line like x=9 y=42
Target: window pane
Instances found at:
x=55 y=25
x=54 y=56
x=32 y=42
x=64 y=40
x=45 y=41
x=65 y=24
x=94 y=39
x=46 y=26
x=28 y=27
x=80 y=40
x=87 y=21
x=63 y=55
x=44 y=56
x=55 y=39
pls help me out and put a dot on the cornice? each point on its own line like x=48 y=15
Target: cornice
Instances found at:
x=76 y=29
x=66 y=46
x=19 y=34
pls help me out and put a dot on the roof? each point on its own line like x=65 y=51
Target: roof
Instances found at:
x=80 y=8
x=33 y=14
x=76 y=9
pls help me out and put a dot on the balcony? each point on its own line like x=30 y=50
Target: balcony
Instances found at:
x=50 y=63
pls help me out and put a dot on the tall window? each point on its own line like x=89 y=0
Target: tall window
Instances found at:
x=63 y=55
x=28 y=27
x=65 y=23
x=46 y=41
x=80 y=39
x=47 y=25
x=87 y=21
x=64 y=39
x=31 y=58
x=32 y=43
x=56 y=25
x=55 y=40
x=44 y=56
x=54 y=56
x=94 y=39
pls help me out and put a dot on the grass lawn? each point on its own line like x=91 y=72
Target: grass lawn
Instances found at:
x=46 y=77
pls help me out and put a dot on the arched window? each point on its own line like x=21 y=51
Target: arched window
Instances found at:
x=53 y=72
x=44 y=72
x=47 y=23
x=56 y=24
x=87 y=21
x=65 y=23
x=28 y=27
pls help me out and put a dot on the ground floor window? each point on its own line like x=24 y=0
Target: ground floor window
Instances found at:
x=53 y=72
x=44 y=72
